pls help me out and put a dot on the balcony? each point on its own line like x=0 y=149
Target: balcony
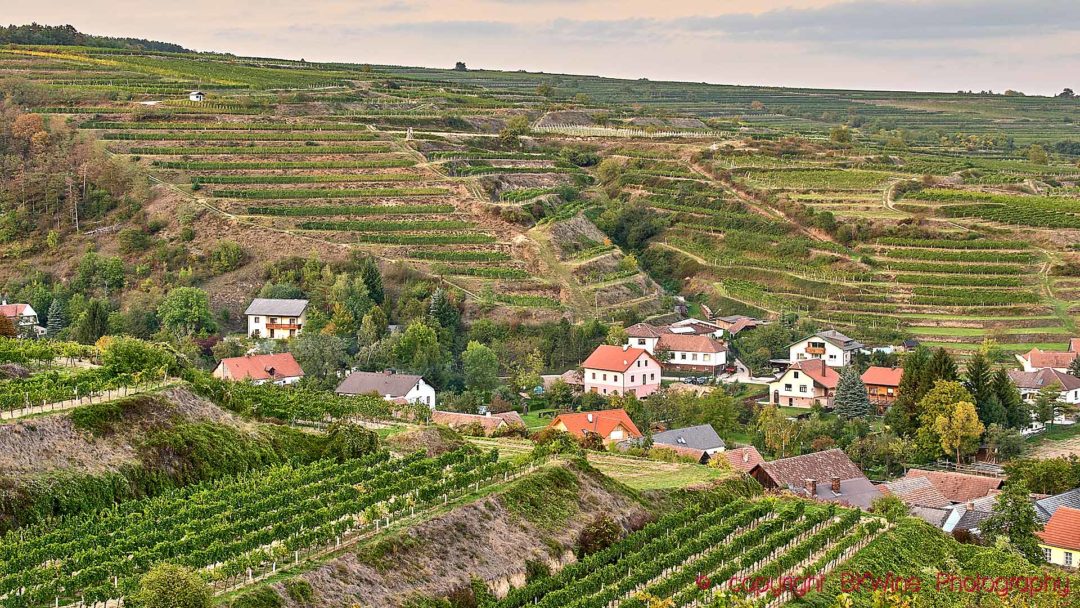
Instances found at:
x=283 y=326
x=810 y=350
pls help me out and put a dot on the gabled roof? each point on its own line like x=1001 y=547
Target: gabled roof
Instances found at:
x=854 y=492
x=691 y=343
x=1063 y=529
x=601 y=422
x=743 y=459
x=835 y=338
x=387 y=384
x=958 y=487
x=261 y=367
x=701 y=437
x=277 y=308
x=933 y=516
x=741 y=324
x=820 y=466
x=1045 y=507
x=614 y=358
x=642 y=330
x=15 y=310
x=1043 y=377
x=1045 y=358
x=818 y=371
x=883 y=376
x=698 y=455
x=489 y=423
x=915 y=492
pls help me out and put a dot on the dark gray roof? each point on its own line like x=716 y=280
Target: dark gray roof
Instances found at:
x=839 y=340
x=855 y=492
x=931 y=515
x=277 y=308
x=1045 y=507
x=387 y=384
x=701 y=437
x=971 y=519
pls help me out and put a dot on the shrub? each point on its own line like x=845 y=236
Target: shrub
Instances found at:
x=263 y=597
x=171 y=586
x=598 y=534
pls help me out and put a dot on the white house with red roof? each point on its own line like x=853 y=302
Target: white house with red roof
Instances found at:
x=23 y=317
x=278 y=368
x=610 y=425
x=805 y=383
x=689 y=345
x=1030 y=383
x=1036 y=359
x=621 y=370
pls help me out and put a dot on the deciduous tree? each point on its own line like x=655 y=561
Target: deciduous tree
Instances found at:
x=959 y=429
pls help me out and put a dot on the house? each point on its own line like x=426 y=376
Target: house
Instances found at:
x=702 y=437
x=610 y=425
x=1036 y=359
x=882 y=384
x=403 y=388
x=196 y=96
x=1045 y=507
x=621 y=370
x=278 y=368
x=490 y=423
x=829 y=476
x=804 y=383
x=959 y=487
x=690 y=345
x=967 y=517
x=23 y=317
x=831 y=346
x=275 y=319
x=916 y=492
x=737 y=323
x=1030 y=383
x=743 y=459
x=1060 y=538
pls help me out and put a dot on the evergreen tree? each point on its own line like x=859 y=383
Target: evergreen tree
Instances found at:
x=903 y=415
x=1017 y=413
x=1074 y=367
x=369 y=272
x=851 y=400
x=979 y=382
x=443 y=309
x=93 y=323
x=941 y=367
x=55 y=319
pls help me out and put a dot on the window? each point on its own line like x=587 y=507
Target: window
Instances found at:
x=682 y=356
x=641 y=341
x=273 y=319
x=605 y=379
x=257 y=320
x=1068 y=558
x=594 y=375
x=652 y=376
x=616 y=377
x=693 y=357
x=832 y=356
x=704 y=357
x=796 y=375
x=787 y=387
x=631 y=378
x=605 y=391
x=1047 y=554
x=292 y=320
x=802 y=388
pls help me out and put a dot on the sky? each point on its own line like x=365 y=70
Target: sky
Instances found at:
x=945 y=45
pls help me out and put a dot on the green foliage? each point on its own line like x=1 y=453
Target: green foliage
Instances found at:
x=185 y=311
x=260 y=597
x=321 y=356
x=227 y=256
x=548 y=498
x=1013 y=518
x=480 y=365
x=299 y=590
x=851 y=399
x=171 y=586
x=600 y=533
x=123 y=355
x=1045 y=476
x=347 y=440
x=93 y=323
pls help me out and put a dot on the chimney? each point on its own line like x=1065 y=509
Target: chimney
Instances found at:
x=970 y=506
x=624 y=346
x=588 y=417
x=835 y=484
x=746 y=456
x=811 y=486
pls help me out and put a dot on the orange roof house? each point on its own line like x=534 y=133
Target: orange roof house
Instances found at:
x=279 y=368
x=612 y=425
x=1036 y=359
x=613 y=358
x=882 y=383
x=1060 y=538
x=743 y=459
x=959 y=487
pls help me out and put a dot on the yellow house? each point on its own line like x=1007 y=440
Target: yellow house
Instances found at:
x=1060 y=539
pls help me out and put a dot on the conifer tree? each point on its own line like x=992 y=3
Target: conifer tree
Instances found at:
x=903 y=415
x=55 y=321
x=1074 y=367
x=851 y=400
x=978 y=379
x=941 y=367
x=1017 y=413
x=369 y=271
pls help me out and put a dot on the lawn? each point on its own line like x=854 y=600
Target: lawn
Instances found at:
x=538 y=419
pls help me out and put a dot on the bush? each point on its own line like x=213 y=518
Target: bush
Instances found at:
x=227 y=256
x=263 y=597
x=345 y=440
x=598 y=534
x=172 y=586
x=299 y=590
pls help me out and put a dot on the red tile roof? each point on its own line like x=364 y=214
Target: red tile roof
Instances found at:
x=958 y=487
x=883 y=376
x=1063 y=529
x=1043 y=377
x=12 y=311
x=743 y=459
x=1074 y=345
x=818 y=372
x=601 y=422
x=741 y=324
x=691 y=343
x=614 y=358
x=820 y=466
x=261 y=367
x=642 y=330
x=1045 y=358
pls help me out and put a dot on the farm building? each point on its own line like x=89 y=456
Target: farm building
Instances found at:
x=279 y=368
x=403 y=388
x=196 y=96
x=831 y=346
x=621 y=370
x=958 y=487
x=882 y=384
x=611 y=425
x=701 y=437
x=737 y=323
x=275 y=319
x=805 y=383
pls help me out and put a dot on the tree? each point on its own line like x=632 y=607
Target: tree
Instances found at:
x=419 y=352
x=1013 y=519
x=960 y=429
x=443 y=309
x=840 y=134
x=1004 y=443
x=373 y=327
x=851 y=399
x=480 y=365
x=7 y=328
x=369 y=272
x=890 y=507
x=321 y=356
x=171 y=586
x=124 y=355
x=903 y=415
x=1017 y=412
x=978 y=379
x=1047 y=403
x=55 y=321
x=1037 y=155
x=93 y=323
x=940 y=401
x=941 y=367
x=527 y=372
x=346 y=440
x=185 y=311
x=1074 y=368
x=1045 y=476
x=460 y=66
x=616 y=335
x=778 y=431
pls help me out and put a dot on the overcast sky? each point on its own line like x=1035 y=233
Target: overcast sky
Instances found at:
x=945 y=45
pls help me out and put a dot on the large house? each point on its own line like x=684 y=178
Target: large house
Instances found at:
x=804 y=383
x=400 y=388
x=831 y=346
x=1036 y=359
x=23 y=317
x=690 y=345
x=621 y=370
x=1030 y=383
x=701 y=437
x=828 y=476
x=882 y=384
x=610 y=425
x=1060 y=537
x=279 y=368
x=276 y=319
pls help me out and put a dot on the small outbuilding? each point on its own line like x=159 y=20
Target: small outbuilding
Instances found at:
x=196 y=96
